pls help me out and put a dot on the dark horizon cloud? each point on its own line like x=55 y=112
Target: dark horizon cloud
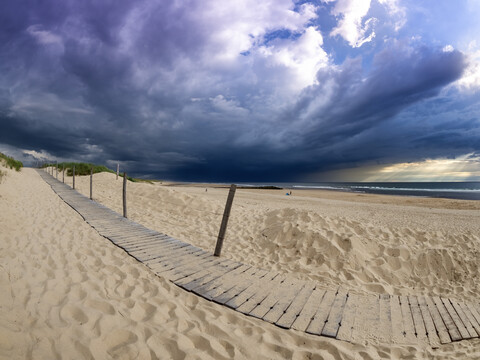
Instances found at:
x=207 y=91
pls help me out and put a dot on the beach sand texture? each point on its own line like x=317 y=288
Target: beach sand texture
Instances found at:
x=69 y=293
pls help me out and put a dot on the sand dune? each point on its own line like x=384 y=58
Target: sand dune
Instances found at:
x=68 y=293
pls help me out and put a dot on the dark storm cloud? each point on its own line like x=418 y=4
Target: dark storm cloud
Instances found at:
x=400 y=77
x=166 y=90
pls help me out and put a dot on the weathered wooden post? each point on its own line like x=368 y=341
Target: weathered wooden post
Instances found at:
x=91 y=182
x=73 y=173
x=56 y=169
x=226 y=215
x=118 y=169
x=63 y=174
x=125 y=194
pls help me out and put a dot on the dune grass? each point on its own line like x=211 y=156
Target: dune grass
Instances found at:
x=11 y=162
x=85 y=168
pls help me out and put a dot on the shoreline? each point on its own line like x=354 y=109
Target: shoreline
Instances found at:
x=454 y=194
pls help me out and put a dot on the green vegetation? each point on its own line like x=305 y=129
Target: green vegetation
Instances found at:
x=11 y=162
x=85 y=168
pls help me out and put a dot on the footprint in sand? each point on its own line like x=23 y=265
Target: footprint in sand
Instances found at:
x=142 y=311
x=101 y=306
x=73 y=314
x=117 y=342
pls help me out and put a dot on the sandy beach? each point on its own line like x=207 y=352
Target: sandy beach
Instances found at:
x=68 y=293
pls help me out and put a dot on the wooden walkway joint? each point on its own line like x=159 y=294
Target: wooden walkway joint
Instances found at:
x=278 y=298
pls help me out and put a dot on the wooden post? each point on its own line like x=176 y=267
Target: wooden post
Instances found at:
x=226 y=215
x=91 y=182
x=118 y=169
x=56 y=170
x=125 y=194
x=63 y=174
x=73 y=171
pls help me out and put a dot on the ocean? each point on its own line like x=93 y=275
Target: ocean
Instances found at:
x=450 y=190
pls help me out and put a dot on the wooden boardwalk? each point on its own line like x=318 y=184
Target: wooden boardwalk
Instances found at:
x=278 y=298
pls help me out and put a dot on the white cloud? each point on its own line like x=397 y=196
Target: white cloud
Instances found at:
x=351 y=25
x=222 y=48
x=44 y=36
x=396 y=12
x=448 y=48
x=38 y=155
x=470 y=81
x=228 y=107
x=303 y=57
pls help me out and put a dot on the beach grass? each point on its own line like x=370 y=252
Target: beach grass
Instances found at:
x=11 y=162
x=85 y=169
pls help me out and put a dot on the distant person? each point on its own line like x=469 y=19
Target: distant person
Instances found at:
x=206 y=190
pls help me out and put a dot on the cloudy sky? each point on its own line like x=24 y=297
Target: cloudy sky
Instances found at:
x=245 y=90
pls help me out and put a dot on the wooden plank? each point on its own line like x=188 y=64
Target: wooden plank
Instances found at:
x=384 y=319
x=320 y=317
x=122 y=229
x=336 y=313
x=145 y=245
x=159 y=246
x=202 y=277
x=442 y=330
x=284 y=302
x=138 y=240
x=348 y=320
x=407 y=318
x=128 y=239
x=224 y=283
x=233 y=298
x=166 y=242
x=447 y=320
x=263 y=297
x=456 y=319
x=203 y=264
x=147 y=242
x=418 y=322
x=196 y=278
x=176 y=263
x=210 y=286
x=295 y=308
x=475 y=314
x=170 y=259
x=161 y=255
x=398 y=327
x=155 y=246
x=290 y=290
x=472 y=317
x=306 y=315
x=225 y=291
x=428 y=322
x=466 y=317
x=132 y=236
x=190 y=267
x=367 y=318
